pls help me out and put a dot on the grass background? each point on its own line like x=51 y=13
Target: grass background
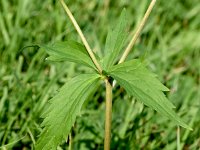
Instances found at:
x=170 y=43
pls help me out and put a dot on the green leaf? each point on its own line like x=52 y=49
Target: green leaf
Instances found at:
x=69 y=51
x=63 y=109
x=115 y=41
x=144 y=86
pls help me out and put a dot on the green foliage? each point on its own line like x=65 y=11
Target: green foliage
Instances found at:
x=62 y=110
x=27 y=82
x=68 y=51
x=115 y=41
x=142 y=84
x=132 y=75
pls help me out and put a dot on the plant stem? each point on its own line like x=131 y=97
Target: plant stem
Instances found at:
x=70 y=142
x=138 y=31
x=108 y=115
x=106 y=6
x=89 y=50
x=178 y=138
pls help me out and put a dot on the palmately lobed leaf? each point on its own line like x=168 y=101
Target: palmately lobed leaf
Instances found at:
x=68 y=51
x=115 y=41
x=145 y=87
x=62 y=110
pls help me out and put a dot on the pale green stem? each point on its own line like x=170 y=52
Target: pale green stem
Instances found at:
x=70 y=142
x=108 y=115
x=178 y=138
x=138 y=31
x=106 y=6
x=89 y=50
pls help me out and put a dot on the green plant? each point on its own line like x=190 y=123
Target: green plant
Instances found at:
x=132 y=75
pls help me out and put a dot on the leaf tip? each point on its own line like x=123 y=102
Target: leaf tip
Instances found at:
x=190 y=128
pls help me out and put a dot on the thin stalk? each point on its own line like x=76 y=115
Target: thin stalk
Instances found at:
x=108 y=115
x=89 y=50
x=70 y=141
x=178 y=138
x=138 y=31
x=106 y=6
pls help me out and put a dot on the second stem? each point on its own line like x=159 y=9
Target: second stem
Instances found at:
x=108 y=115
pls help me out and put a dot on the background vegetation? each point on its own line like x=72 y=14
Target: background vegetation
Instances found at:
x=170 y=43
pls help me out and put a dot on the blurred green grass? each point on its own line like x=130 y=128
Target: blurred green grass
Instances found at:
x=170 y=41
